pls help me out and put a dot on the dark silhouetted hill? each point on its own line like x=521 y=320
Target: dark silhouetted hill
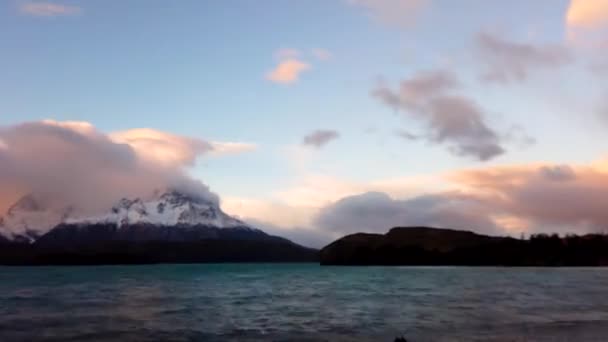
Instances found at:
x=432 y=246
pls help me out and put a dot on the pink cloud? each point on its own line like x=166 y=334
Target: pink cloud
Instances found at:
x=77 y=164
x=48 y=9
x=287 y=71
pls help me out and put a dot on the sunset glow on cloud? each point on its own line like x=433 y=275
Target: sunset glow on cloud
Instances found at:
x=48 y=9
x=288 y=71
x=587 y=20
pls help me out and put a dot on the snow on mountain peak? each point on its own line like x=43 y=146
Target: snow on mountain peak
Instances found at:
x=35 y=215
x=170 y=208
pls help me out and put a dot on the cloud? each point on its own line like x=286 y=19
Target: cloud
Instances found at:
x=288 y=71
x=48 y=9
x=322 y=54
x=77 y=164
x=287 y=53
x=377 y=212
x=162 y=147
x=407 y=135
x=587 y=13
x=496 y=200
x=450 y=119
x=587 y=21
x=317 y=190
x=279 y=218
x=504 y=200
x=219 y=148
x=292 y=211
x=558 y=173
x=167 y=148
x=398 y=13
x=270 y=211
x=320 y=138
x=306 y=236
x=518 y=135
x=508 y=61
x=550 y=197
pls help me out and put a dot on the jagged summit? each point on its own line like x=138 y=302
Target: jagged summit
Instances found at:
x=35 y=215
x=170 y=208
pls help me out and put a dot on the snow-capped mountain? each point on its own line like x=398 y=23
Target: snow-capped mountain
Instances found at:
x=171 y=208
x=167 y=227
x=31 y=217
x=171 y=216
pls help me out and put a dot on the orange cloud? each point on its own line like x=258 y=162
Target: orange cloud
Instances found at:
x=586 y=21
x=590 y=14
x=549 y=195
x=287 y=71
x=47 y=9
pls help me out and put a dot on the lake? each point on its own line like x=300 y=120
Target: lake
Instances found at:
x=302 y=302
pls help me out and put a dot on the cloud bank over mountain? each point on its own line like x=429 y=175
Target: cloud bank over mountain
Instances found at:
x=77 y=164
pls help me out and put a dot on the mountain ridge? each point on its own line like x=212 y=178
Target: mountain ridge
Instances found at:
x=168 y=227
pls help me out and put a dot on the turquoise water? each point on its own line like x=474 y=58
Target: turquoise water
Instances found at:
x=302 y=302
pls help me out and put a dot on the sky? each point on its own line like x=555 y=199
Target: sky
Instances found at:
x=314 y=119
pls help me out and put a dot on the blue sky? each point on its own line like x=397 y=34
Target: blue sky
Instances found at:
x=199 y=69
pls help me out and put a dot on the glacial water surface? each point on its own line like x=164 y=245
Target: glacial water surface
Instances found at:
x=302 y=302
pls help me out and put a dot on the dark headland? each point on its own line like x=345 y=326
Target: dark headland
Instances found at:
x=431 y=246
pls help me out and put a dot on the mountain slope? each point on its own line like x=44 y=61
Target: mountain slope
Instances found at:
x=171 y=216
x=169 y=227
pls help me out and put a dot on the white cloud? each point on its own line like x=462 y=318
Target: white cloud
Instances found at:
x=162 y=147
x=220 y=148
x=48 y=9
x=274 y=212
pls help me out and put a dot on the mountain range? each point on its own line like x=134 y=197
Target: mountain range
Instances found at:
x=169 y=226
